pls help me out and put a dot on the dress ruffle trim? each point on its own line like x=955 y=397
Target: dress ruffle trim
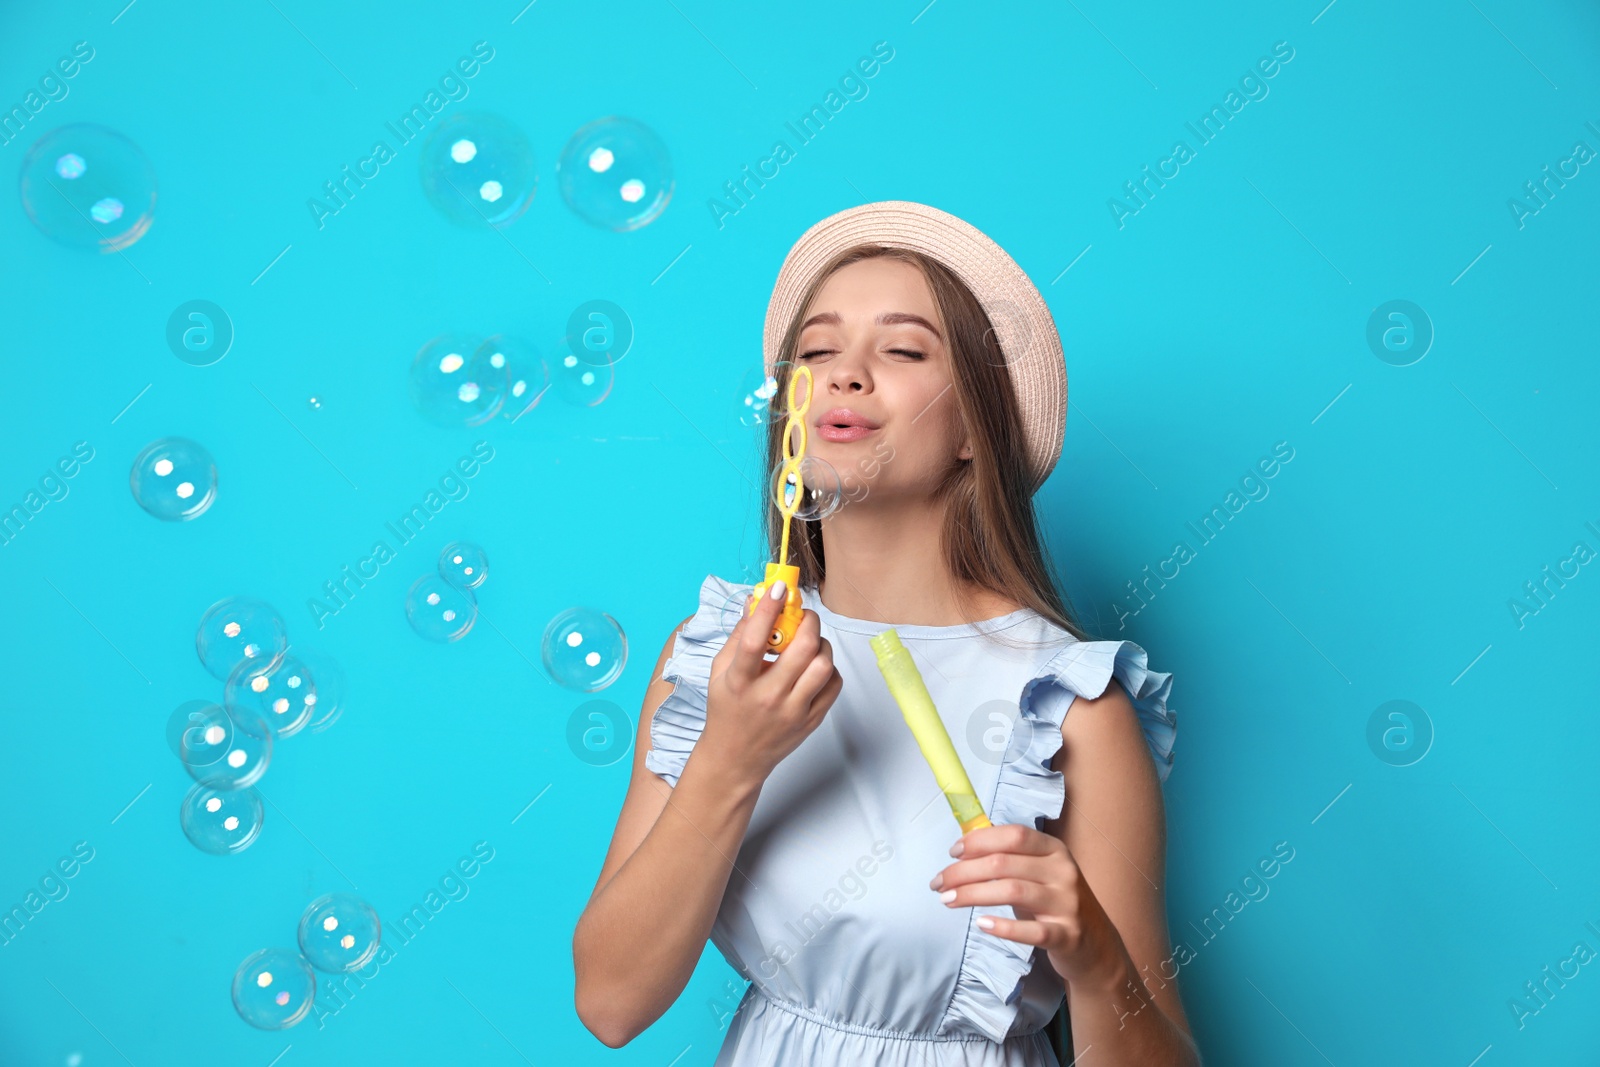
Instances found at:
x=989 y=987
x=681 y=717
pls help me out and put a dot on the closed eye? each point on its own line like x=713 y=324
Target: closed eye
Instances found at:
x=897 y=351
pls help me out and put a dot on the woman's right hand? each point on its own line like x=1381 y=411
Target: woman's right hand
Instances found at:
x=758 y=712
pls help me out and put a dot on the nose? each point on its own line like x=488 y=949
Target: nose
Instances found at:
x=848 y=373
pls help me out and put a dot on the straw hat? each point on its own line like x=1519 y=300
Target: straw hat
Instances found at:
x=1021 y=319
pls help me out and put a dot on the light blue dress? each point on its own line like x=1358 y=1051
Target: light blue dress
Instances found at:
x=852 y=959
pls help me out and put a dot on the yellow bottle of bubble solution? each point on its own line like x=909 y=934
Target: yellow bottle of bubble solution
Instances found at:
x=911 y=693
x=793 y=490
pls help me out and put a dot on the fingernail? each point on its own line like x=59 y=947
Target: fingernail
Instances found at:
x=778 y=589
x=938 y=880
x=958 y=848
x=948 y=895
x=985 y=923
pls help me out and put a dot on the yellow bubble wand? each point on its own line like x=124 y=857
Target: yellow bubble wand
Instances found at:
x=906 y=686
x=789 y=619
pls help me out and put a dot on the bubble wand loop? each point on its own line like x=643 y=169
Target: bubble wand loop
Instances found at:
x=789 y=619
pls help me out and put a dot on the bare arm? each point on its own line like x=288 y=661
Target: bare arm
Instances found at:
x=1114 y=825
x=663 y=881
x=647 y=921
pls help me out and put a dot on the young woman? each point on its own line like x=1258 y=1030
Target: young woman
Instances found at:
x=781 y=807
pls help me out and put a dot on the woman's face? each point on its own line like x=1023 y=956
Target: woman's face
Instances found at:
x=877 y=348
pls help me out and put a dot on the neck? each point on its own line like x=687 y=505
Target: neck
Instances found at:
x=886 y=563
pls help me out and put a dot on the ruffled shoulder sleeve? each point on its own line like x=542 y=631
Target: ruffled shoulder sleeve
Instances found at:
x=678 y=721
x=989 y=987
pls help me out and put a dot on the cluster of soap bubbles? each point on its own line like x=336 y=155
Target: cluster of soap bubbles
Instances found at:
x=270 y=691
x=174 y=479
x=478 y=170
x=583 y=649
x=462 y=379
x=442 y=606
x=274 y=989
x=88 y=186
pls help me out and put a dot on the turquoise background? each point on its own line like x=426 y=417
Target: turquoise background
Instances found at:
x=1229 y=314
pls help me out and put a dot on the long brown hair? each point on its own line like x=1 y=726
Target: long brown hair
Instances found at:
x=990 y=535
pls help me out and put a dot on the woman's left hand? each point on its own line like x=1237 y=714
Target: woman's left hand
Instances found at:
x=1035 y=874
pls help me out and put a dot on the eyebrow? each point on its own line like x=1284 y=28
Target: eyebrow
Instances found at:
x=887 y=318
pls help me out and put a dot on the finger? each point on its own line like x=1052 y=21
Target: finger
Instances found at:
x=817 y=673
x=828 y=693
x=802 y=650
x=1008 y=837
x=750 y=656
x=1018 y=892
x=1046 y=870
x=1024 y=931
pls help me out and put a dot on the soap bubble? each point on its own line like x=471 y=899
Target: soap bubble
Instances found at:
x=237 y=629
x=821 y=492
x=438 y=610
x=581 y=384
x=274 y=989
x=455 y=381
x=283 y=694
x=616 y=174
x=759 y=402
x=464 y=565
x=88 y=186
x=526 y=371
x=584 y=649
x=599 y=333
x=330 y=687
x=478 y=170
x=339 y=933
x=221 y=821
x=225 y=749
x=174 y=479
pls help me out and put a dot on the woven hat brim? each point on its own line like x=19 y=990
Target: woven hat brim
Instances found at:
x=1022 y=321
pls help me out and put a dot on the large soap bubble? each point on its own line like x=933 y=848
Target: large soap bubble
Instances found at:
x=526 y=369
x=223 y=748
x=283 y=693
x=274 y=989
x=439 y=610
x=615 y=173
x=456 y=380
x=237 y=629
x=584 y=649
x=478 y=170
x=174 y=479
x=339 y=933
x=221 y=821
x=88 y=186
